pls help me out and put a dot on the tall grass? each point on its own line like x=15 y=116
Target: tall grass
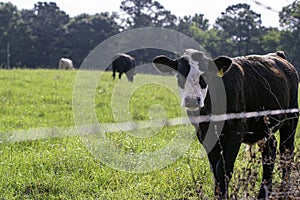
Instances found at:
x=63 y=168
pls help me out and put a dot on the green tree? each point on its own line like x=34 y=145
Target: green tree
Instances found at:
x=197 y=20
x=192 y=25
x=290 y=37
x=290 y=16
x=12 y=34
x=241 y=29
x=270 y=40
x=142 y=13
x=290 y=43
x=47 y=29
x=214 y=43
x=85 y=32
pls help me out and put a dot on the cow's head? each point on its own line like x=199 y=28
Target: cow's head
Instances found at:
x=130 y=75
x=131 y=71
x=192 y=69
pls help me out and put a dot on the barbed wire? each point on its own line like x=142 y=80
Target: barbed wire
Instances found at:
x=242 y=115
x=56 y=132
x=265 y=6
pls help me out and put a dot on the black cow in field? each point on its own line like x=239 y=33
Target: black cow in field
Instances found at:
x=123 y=63
x=252 y=83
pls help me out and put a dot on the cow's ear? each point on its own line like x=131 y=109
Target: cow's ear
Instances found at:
x=165 y=64
x=220 y=65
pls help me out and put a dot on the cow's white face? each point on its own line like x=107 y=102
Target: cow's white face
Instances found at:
x=192 y=87
x=191 y=69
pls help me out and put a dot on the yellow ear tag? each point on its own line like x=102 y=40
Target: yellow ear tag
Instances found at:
x=220 y=73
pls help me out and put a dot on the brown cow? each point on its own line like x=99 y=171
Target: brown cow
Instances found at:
x=252 y=83
x=123 y=63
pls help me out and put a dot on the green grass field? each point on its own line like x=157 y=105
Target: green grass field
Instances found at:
x=62 y=167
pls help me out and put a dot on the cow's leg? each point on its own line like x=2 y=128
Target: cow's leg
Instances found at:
x=224 y=169
x=114 y=74
x=120 y=75
x=268 y=158
x=223 y=154
x=286 y=147
x=212 y=147
x=214 y=157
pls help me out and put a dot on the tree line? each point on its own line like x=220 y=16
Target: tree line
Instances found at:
x=38 y=37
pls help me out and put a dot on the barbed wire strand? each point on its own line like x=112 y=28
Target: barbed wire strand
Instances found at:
x=56 y=132
x=265 y=6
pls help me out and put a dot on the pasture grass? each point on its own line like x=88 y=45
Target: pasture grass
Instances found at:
x=65 y=168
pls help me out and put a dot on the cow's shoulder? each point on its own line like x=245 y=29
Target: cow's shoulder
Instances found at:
x=269 y=67
x=279 y=54
x=260 y=62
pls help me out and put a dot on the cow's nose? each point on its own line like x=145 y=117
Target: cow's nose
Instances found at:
x=190 y=102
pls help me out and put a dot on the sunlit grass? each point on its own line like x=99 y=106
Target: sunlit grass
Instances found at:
x=63 y=168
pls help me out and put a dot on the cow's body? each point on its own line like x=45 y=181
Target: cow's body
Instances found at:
x=65 y=63
x=258 y=83
x=252 y=83
x=123 y=63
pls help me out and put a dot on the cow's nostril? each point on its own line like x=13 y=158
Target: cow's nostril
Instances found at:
x=191 y=102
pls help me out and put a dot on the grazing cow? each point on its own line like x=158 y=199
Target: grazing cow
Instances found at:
x=123 y=63
x=65 y=63
x=252 y=83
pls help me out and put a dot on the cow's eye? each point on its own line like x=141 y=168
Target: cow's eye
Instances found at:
x=202 y=82
x=181 y=81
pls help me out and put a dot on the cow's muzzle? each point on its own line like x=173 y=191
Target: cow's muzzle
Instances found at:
x=191 y=104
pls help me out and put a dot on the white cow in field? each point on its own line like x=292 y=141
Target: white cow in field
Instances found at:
x=65 y=63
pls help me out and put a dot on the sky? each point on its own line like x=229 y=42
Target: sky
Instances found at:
x=210 y=8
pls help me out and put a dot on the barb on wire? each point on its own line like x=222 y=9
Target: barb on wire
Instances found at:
x=265 y=6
